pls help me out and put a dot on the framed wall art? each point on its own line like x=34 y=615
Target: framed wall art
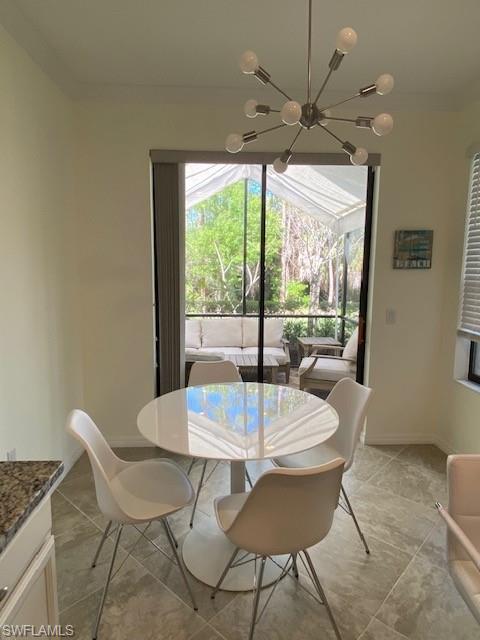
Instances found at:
x=413 y=249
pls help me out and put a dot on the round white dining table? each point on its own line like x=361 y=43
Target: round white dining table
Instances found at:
x=235 y=422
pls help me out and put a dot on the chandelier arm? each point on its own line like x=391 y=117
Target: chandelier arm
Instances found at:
x=342 y=119
x=298 y=134
x=277 y=126
x=333 y=135
x=309 y=55
x=336 y=104
x=279 y=90
x=324 y=84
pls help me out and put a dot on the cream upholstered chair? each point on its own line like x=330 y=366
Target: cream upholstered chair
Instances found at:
x=463 y=522
x=323 y=371
x=350 y=400
x=210 y=373
x=286 y=512
x=131 y=493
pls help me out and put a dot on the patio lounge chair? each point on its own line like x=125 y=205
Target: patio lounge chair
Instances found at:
x=323 y=371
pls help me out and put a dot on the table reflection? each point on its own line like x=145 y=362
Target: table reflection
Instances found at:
x=237 y=421
x=242 y=408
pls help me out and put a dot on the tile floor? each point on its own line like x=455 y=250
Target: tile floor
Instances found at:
x=402 y=590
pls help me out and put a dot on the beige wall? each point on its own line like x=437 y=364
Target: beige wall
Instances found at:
x=415 y=191
x=459 y=404
x=39 y=350
x=52 y=326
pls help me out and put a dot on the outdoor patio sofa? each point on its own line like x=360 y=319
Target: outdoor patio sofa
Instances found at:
x=213 y=338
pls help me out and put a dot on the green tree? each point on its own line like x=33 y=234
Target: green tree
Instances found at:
x=215 y=251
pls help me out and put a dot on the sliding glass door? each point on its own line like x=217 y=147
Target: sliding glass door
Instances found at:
x=223 y=264
x=316 y=239
x=275 y=265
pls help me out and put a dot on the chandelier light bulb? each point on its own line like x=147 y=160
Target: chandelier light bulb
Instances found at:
x=382 y=124
x=324 y=117
x=291 y=112
x=248 y=62
x=234 y=143
x=250 y=108
x=279 y=165
x=384 y=84
x=346 y=40
x=359 y=157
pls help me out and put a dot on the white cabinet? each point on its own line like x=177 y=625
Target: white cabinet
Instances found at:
x=27 y=572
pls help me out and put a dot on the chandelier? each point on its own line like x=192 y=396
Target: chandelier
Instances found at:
x=311 y=114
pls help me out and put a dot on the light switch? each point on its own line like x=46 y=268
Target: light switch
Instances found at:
x=390 y=316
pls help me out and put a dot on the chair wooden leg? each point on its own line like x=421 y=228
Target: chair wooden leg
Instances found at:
x=287 y=373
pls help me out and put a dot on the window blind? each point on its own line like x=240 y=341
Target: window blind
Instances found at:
x=470 y=295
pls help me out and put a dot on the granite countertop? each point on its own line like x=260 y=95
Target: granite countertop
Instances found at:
x=22 y=487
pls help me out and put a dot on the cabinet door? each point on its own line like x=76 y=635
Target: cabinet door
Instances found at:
x=34 y=601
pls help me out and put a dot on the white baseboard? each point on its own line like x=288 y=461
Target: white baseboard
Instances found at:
x=411 y=438
x=445 y=446
x=400 y=438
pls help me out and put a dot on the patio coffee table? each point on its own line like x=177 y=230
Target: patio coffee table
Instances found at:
x=307 y=344
x=250 y=361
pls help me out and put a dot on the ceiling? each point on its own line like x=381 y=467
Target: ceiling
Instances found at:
x=431 y=46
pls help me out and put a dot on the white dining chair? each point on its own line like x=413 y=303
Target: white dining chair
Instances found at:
x=350 y=400
x=211 y=373
x=131 y=493
x=286 y=512
x=463 y=522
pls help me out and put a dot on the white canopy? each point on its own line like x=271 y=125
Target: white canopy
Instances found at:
x=334 y=194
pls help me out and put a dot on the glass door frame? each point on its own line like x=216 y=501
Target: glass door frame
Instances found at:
x=263 y=159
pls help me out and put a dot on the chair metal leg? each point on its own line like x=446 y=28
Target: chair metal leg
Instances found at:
x=351 y=512
x=224 y=573
x=180 y=565
x=171 y=532
x=104 y=537
x=191 y=466
x=249 y=479
x=107 y=582
x=294 y=565
x=197 y=495
x=321 y=593
x=256 y=600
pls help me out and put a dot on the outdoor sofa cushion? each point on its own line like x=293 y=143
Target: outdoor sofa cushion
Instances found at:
x=193 y=335
x=277 y=352
x=227 y=351
x=195 y=355
x=273 y=332
x=351 y=347
x=331 y=369
x=218 y=332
